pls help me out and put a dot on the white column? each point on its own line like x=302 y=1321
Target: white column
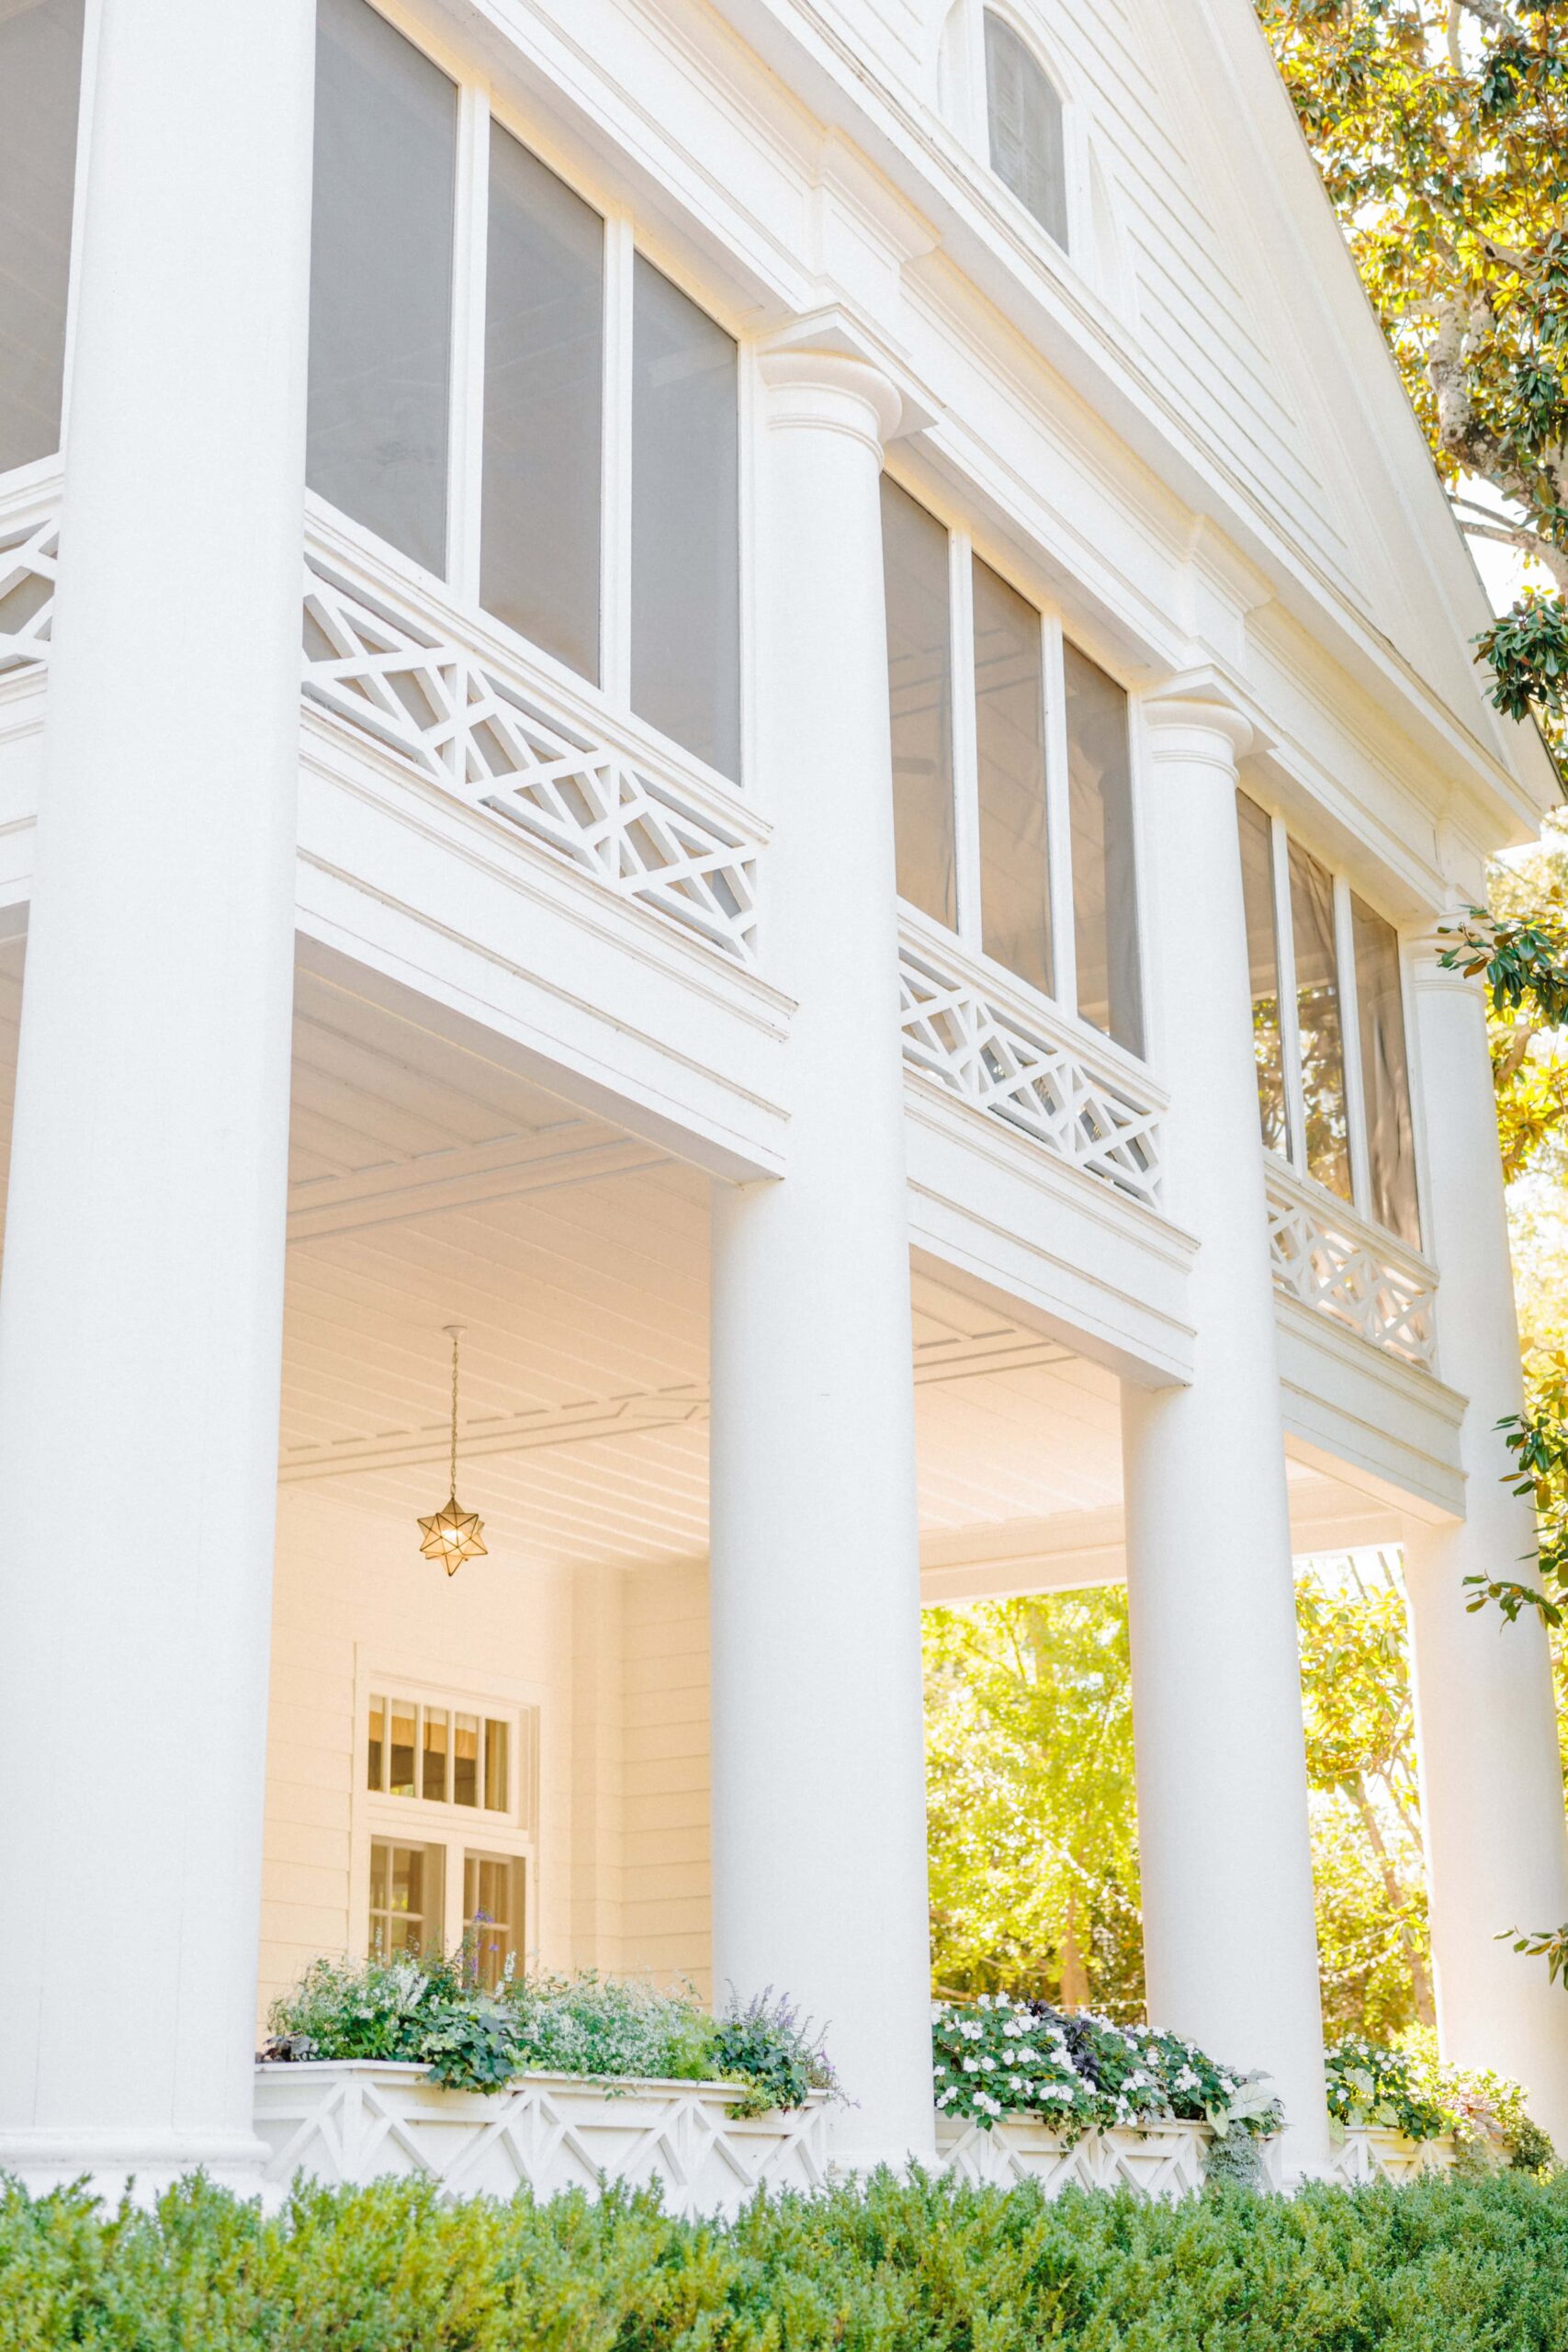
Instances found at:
x=139 y=1312
x=1229 y=1936
x=819 y=1855
x=1491 y=1782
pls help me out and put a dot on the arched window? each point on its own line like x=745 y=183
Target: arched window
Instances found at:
x=1024 y=112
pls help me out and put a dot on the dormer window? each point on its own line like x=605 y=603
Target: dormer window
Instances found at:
x=1023 y=118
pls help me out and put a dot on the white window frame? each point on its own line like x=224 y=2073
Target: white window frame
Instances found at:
x=626 y=235
x=1280 y=837
x=961 y=79
x=456 y=1830
x=964 y=544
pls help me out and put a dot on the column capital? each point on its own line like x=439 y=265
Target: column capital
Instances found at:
x=1200 y=729
x=828 y=370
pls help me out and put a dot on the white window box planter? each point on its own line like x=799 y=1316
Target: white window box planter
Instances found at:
x=357 y=2120
x=1369 y=2152
x=1155 y=2159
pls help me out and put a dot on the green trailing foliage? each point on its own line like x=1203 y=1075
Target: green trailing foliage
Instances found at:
x=1410 y=2091
x=432 y=2011
x=1473 y=2265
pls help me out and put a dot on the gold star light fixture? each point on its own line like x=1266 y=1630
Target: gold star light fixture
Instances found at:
x=453 y=1535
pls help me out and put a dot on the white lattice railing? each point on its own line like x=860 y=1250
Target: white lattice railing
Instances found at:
x=1332 y=1261
x=1026 y=1066
x=502 y=736
x=483 y=722
x=28 y=546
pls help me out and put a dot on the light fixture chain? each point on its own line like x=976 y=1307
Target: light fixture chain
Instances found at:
x=454 y=1485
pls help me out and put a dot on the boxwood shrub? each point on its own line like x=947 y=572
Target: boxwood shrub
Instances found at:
x=1477 y=2265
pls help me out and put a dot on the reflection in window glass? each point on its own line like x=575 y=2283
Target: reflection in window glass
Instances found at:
x=920 y=675
x=496 y=1795
x=1105 y=893
x=400 y=1780
x=376 y=1747
x=1319 y=1021
x=1024 y=119
x=1263 y=962
x=685 y=522
x=465 y=1760
x=405 y=1899
x=432 y=1776
x=1010 y=727
x=40 y=78
x=543 y=361
x=492 y=1913
x=381 y=279
x=1385 y=1077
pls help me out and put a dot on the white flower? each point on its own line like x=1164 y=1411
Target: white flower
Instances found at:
x=971 y=2065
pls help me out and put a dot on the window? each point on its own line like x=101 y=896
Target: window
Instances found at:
x=1328 y=1026
x=1011 y=776
x=448 y=1789
x=1023 y=118
x=474 y=417
x=40 y=81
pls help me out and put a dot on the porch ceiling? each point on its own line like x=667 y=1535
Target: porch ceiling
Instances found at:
x=430 y=1186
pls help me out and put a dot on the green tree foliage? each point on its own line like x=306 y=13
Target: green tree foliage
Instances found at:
x=1440 y=128
x=1028 y=1742
x=1033 y=1823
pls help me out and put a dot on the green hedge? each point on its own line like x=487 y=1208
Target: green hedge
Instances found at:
x=1440 y=2267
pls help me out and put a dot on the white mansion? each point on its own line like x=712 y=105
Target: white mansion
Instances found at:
x=771 y=700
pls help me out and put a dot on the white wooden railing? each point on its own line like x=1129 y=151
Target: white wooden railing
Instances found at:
x=1334 y=1262
x=1006 y=1051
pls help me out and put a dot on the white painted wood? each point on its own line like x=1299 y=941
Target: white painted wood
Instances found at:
x=815 y=1563
x=143 y=1286
x=349 y=2123
x=1229 y=1936
x=1154 y=2160
x=1361 y=2153
x=1491 y=1780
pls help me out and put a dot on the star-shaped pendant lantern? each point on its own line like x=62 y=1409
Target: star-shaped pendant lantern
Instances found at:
x=453 y=1535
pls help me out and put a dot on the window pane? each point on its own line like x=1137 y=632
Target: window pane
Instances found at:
x=401 y=1776
x=1010 y=725
x=544 y=401
x=381 y=279
x=496 y=1795
x=465 y=1759
x=1025 y=117
x=433 y=1777
x=492 y=1913
x=685 y=522
x=1385 y=1076
x=1318 y=1015
x=41 y=79
x=1105 y=890
x=919 y=683
x=1263 y=961
x=376 y=1749
x=405 y=1899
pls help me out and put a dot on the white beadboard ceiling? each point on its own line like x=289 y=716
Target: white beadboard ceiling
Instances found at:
x=430 y=1186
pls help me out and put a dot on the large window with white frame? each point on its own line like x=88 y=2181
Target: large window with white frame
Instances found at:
x=1011 y=774
x=1328 y=1026
x=448 y=1784
x=510 y=393
x=40 y=82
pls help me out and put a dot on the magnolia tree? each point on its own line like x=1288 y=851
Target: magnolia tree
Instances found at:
x=1441 y=130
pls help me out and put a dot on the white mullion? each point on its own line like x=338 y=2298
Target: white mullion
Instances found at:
x=966 y=748
x=1290 y=1030
x=452 y=1893
x=616 y=479
x=1058 y=819
x=465 y=471
x=1350 y=1049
